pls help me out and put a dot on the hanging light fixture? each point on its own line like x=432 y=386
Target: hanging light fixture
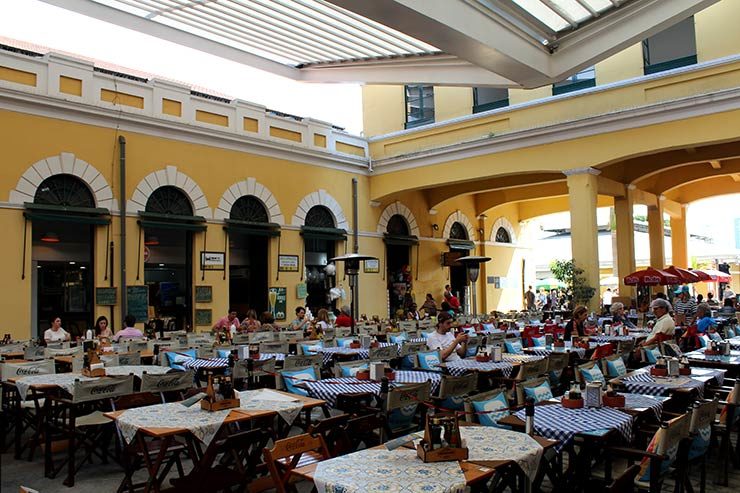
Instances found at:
x=50 y=237
x=151 y=241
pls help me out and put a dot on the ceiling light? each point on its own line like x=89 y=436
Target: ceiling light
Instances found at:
x=72 y=262
x=161 y=265
x=50 y=237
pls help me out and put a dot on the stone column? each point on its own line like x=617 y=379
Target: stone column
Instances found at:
x=656 y=234
x=679 y=240
x=582 y=194
x=624 y=254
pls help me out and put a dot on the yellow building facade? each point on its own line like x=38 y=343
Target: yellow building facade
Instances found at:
x=270 y=195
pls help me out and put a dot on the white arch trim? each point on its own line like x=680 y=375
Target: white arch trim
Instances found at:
x=320 y=197
x=502 y=222
x=172 y=177
x=392 y=210
x=68 y=164
x=244 y=188
x=461 y=218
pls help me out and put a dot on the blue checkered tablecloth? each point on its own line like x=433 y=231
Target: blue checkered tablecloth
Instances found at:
x=605 y=339
x=544 y=352
x=638 y=402
x=734 y=343
x=330 y=388
x=519 y=358
x=201 y=363
x=329 y=353
x=463 y=366
x=644 y=383
x=559 y=423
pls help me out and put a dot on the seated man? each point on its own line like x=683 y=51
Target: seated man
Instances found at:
x=130 y=331
x=703 y=319
x=450 y=348
x=664 y=325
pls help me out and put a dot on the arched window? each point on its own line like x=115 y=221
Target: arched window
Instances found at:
x=502 y=236
x=397 y=226
x=458 y=231
x=249 y=208
x=319 y=217
x=169 y=200
x=64 y=190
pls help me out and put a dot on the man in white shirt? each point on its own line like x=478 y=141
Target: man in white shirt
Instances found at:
x=450 y=348
x=607 y=299
x=664 y=324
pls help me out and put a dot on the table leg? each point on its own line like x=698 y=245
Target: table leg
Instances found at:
x=18 y=432
x=153 y=482
x=71 y=450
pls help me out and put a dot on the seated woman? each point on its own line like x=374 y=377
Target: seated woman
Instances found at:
x=102 y=328
x=250 y=324
x=728 y=308
x=619 y=317
x=267 y=321
x=575 y=327
x=320 y=324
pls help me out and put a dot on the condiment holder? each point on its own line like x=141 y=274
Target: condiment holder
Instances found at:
x=92 y=366
x=612 y=399
x=574 y=398
x=442 y=441
x=224 y=399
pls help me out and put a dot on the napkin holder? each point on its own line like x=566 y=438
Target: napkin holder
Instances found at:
x=442 y=441
x=93 y=367
x=211 y=402
x=498 y=354
x=592 y=395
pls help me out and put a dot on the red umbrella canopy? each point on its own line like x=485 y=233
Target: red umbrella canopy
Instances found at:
x=703 y=276
x=686 y=276
x=714 y=275
x=651 y=277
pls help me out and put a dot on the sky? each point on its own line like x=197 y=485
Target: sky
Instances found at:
x=44 y=24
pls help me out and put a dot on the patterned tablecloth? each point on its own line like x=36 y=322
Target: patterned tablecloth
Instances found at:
x=544 y=352
x=463 y=366
x=605 y=339
x=202 y=424
x=699 y=356
x=220 y=363
x=644 y=383
x=65 y=381
x=329 y=353
x=387 y=471
x=330 y=388
x=734 y=343
x=638 y=402
x=288 y=408
x=137 y=370
x=560 y=423
x=520 y=358
x=486 y=443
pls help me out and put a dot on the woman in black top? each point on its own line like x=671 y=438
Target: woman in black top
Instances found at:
x=575 y=326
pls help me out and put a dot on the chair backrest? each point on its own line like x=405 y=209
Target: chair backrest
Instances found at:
x=626 y=347
x=557 y=361
x=339 y=366
x=670 y=349
x=677 y=430
x=110 y=359
x=605 y=364
x=407 y=325
x=286 y=454
x=333 y=431
x=584 y=366
x=274 y=347
x=200 y=338
x=169 y=382
x=457 y=386
x=383 y=353
x=28 y=368
x=52 y=353
x=483 y=396
x=288 y=335
x=240 y=459
x=528 y=384
x=264 y=336
x=33 y=352
x=140 y=345
x=295 y=362
x=497 y=338
x=242 y=338
x=409 y=348
x=532 y=369
x=78 y=360
x=703 y=415
x=426 y=323
x=646 y=348
x=368 y=328
x=263 y=367
x=407 y=395
x=102 y=388
x=342 y=331
x=130 y=359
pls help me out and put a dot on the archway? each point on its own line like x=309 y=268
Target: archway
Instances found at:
x=249 y=232
x=62 y=253
x=458 y=240
x=320 y=237
x=168 y=255
x=398 y=242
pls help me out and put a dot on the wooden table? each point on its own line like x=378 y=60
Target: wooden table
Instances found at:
x=67 y=360
x=165 y=436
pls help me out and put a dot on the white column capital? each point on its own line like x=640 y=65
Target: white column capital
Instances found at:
x=582 y=171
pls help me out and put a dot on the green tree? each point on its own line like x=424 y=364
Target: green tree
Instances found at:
x=567 y=272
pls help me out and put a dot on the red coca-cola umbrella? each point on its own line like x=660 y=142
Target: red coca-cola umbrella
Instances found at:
x=714 y=275
x=686 y=276
x=703 y=276
x=651 y=277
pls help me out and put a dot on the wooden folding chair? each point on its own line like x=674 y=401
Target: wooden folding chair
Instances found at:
x=289 y=454
x=333 y=431
x=170 y=385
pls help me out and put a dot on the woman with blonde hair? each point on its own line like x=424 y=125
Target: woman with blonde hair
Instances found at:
x=321 y=323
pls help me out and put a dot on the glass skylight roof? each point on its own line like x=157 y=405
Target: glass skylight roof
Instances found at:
x=562 y=15
x=292 y=32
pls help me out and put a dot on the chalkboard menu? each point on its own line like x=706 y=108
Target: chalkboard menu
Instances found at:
x=137 y=298
x=203 y=294
x=203 y=317
x=278 y=297
x=105 y=296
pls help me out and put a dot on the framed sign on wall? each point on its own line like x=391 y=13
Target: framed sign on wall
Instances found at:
x=203 y=294
x=288 y=263
x=372 y=266
x=212 y=260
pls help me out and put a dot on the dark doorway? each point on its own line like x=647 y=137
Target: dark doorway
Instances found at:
x=458 y=273
x=248 y=258
x=398 y=259
x=318 y=252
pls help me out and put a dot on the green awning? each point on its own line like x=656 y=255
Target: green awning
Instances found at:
x=151 y=220
x=460 y=244
x=58 y=213
x=252 y=228
x=313 y=233
x=402 y=240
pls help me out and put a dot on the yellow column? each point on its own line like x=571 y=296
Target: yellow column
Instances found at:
x=679 y=240
x=656 y=234
x=624 y=253
x=582 y=191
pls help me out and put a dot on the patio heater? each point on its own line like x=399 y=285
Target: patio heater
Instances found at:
x=352 y=270
x=472 y=265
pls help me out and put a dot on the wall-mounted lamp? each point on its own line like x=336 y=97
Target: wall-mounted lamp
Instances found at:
x=435 y=227
x=481 y=231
